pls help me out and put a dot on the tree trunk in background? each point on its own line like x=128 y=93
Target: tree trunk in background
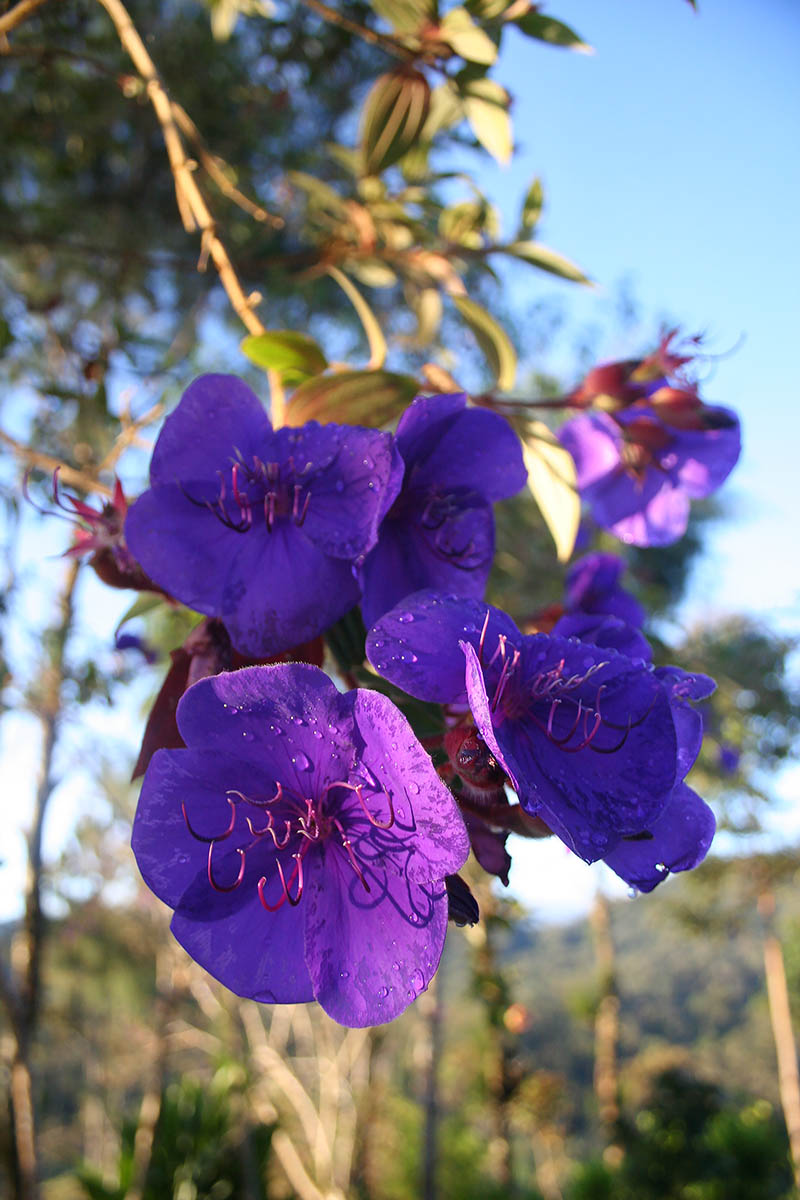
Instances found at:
x=783 y=1035
x=606 y=1029
x=21 y=990
x=430 y=1146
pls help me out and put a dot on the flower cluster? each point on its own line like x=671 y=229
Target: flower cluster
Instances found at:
x=303 y=837
x=649 y=447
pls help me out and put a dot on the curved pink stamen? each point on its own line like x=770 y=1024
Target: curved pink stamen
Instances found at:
x=217 y=837
x=219 y=887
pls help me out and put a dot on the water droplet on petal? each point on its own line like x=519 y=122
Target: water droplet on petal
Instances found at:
x=344 y=974
x=405 y=617
x=317 y=733
x=302 y=761
x=413 y=788
x=247 y=735
x=632 y=893
x=383 y=992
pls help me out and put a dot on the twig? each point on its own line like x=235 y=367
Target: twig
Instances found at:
x=17 y=15
x=334 y=17
x=213 y=165
x=67 y=474
x=194 y=211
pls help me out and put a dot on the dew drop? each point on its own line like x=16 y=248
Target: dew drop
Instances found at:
x=412 y=658
x=368 y=463
x=405 y=618
x=378 y=642
x=383 y=992
x=395 y=966
x=182 y=858
x=344 y=974
x=302 y=761
x=413 y=788
x=247 y=735
x=317 y=733
x=662 y=867
x=632 y=893
x=401 y=812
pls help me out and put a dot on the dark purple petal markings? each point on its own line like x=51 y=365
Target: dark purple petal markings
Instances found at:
x=302 y=838
x=263 y=528
x=439 y=533
x=678 y=841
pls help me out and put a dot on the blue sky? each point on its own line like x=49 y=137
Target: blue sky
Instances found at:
x=670 y=160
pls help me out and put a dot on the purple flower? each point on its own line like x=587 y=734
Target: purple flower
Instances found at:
x=638 y=469
x=585 y=734
x=680 y=839
x=302 y=838
x=592 y=586
x=439 y=532
x=256 y=526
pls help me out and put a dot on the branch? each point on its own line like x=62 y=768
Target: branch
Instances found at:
x=17 y=15
x=35 y=458
x=334 y=17
x=194 y=211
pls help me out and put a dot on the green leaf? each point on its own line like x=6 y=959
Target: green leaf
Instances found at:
x=555 y=33
x=427 y=308
x=394 y=113
x=532 y=207
x=353 y=397
x=466 y=38
x=486 y=107
x=492 y=339
x=377 y=342
x=145 y=602
x=553 y=485
x=295 y=356
x=406 y=16
x=546 y=260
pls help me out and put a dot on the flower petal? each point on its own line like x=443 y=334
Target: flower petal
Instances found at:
x=217 y=415
x=416 y=645
x=456 y=557
x=169 y=858
x=471 y=448
x=595 y=442
x=681 y=839
x=274 y=716
x=255 y=953
x=353 y=476
x=370 y=955
x=427 y=820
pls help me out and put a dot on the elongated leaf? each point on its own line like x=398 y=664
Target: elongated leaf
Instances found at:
x=406 y=16
x=546 y=260
x=352 y=397
x=552 y=482
x=295 y=356
x=555 y=33
x=393 y=116
x=466 y=38
x=377 y=342
x=532 y=207
x=486 y=107
x=492 y=339
x=145 y=602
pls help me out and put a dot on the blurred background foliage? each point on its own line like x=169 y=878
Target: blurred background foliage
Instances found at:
x=335 y=148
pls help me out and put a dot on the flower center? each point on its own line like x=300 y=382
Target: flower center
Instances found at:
x=250 y=492
x=290 y=827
